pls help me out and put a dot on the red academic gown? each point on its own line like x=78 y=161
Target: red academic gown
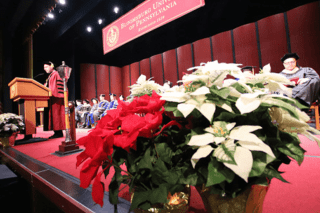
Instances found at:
x=54 y=118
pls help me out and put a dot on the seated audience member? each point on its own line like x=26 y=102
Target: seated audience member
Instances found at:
x=248 y=72
x=113 y=102
x=90 y=120
x=83 y=112
x=121 y=98
x=102 y=106
x=112 y=105
x=248 y=69
x=77 y=109
x=307 y=80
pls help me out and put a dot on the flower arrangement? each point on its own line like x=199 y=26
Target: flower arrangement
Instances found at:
x=10 y=123
x=211 y=131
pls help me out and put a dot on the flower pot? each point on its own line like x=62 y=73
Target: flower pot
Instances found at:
x=9 y=141
x=178 y=203
x=251 y=200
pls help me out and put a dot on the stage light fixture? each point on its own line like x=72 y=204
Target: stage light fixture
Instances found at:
x=89 y=29
x=62 y=2
x=100 y=21
x=50 y=15
x=116 y=9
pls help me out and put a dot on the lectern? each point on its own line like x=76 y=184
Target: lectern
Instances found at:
x=30 y=95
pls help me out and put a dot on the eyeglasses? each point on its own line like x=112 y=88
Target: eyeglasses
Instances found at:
x=290 y=62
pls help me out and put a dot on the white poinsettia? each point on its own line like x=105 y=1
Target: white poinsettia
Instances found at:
x=287 y=123
x=211 y=73
x=242 y=157
x=175 y=94
x=144 y=86
x=197 y=101
x=222 y=133
x=248 y=102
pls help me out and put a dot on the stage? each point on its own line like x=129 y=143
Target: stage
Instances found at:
x=58 y=179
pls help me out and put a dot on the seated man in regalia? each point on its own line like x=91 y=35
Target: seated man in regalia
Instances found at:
x=307 y=87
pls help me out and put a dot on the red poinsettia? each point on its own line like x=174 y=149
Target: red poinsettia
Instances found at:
x=120 y=127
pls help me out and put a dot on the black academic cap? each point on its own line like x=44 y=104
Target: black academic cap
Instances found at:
x=102 y=95
x=290 y=55
x=48 y=63
x=248 y=67
x=94 y=99
x=87 y=101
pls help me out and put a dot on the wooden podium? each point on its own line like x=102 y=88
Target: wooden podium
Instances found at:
x=30 y=95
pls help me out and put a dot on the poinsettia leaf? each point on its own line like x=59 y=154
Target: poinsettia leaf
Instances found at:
x=270 y=172
x=207 y=110
x=293 y=151
x=260 y=146
x=284 y=105
x=114 y=186
x=139 y=199
x=243 y=133
x=202 y=152
x=248 y=102
x=223 y=92
x=189 y=179
x=145 y=162
x=201 y=140
x=214 y=175
x=225 y=154
x=244 y=161
x=292 y=101
x=239 y=88
x=165 y=152
x=159 y=195
x=259 y=164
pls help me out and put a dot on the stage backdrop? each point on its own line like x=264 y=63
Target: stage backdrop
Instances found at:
x=256 y=44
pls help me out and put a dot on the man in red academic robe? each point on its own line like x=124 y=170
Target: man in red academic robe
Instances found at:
x=54 y=116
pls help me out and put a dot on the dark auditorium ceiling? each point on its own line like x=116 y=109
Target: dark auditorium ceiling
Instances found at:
x=66 y=33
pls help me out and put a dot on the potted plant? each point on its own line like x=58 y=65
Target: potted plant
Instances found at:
x=223 y=136
x=10 y=125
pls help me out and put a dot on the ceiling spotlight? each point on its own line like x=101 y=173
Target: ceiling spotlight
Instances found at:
x=50 y=15
x=62 y=1
x=116 y=9
x=100 y=21
x=89 y=29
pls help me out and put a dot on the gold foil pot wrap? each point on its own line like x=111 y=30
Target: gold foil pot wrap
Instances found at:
x=250 y=200
x=8 y=141
x=178 y=203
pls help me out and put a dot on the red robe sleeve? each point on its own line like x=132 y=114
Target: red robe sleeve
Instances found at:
x=56 y=85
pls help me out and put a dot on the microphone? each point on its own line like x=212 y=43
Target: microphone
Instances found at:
x=38 y=75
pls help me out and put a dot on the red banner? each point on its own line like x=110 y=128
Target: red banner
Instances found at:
x=147 y=16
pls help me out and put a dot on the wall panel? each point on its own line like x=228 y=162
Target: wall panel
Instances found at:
x=304 y=28
x=222 y=47
x=184 y=59
x=273 y=41
x=102 y=79
x=245 y=44
x=170 y=66
x=134 y=67
x=125 y=81
x=202 y=51
x=157 y=68
x=87 y=81
x=116 y=80
x=145 y=67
